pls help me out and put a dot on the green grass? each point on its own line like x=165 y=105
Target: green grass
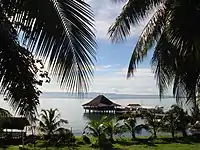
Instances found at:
x=164 y=143
x=173 y=146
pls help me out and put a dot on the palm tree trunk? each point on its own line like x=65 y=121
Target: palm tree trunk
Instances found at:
x=133 y=136
x=33 y=137
x=173 y=134
x=111 y=138
x=184 y=133
x=154 y=133
x=196 y=112
x=196 y=108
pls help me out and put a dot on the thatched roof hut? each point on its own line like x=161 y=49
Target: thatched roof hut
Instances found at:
x=100 y=101
x=14 y=123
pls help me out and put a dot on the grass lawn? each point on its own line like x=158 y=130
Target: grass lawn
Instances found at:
x=173 y=146
x=162 y=143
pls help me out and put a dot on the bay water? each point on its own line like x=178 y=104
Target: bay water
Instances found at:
x=71 y=108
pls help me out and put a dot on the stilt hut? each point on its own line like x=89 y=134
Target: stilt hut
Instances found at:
x=100 y=104
x=13 y=128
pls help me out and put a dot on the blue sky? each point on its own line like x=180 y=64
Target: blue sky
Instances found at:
x=113 y=59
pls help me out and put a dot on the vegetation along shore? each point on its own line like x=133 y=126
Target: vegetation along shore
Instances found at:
x=108 y=134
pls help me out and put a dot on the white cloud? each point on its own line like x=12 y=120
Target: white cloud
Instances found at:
x=105 y=14
x=102 y=68
x=142 y=83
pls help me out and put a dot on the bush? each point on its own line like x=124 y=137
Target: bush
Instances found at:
x=104 y=143
x=66 y=137
x=86 y=139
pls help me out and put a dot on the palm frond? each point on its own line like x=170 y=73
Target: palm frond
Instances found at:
x=127 y=125
x=61 y=31
x=44 y=115
x=104 y=119
x=150 y=34
x=49 y=121
x=60 y=122
x=132 y=13
x=18 y=82
x=185 y=38
x=164 y=64
x=139 y=128
x=43 y=128
x=64 y=121
x=53 y=115
x=92 y=131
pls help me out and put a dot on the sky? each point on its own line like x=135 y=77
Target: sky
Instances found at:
x=113 y=59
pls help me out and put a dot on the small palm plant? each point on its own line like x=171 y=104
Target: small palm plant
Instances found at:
x=97 y=130
x=50 y=122
x=153 y=123
x=130 y=125
x=183 y=119
x=170 y=123
x=112 y=128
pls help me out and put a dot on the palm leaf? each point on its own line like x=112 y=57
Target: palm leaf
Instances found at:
x=164 y=64
x=92 y=131
x=60 y=122
x=185 y=38
x=150 y=34
x=132 y=13
x=49 y=121
x=18 y=82
x=139 y=128
x=128 y=126
x=59 y=31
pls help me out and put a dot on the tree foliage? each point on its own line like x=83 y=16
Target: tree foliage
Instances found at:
x=60 y=32
x=173 y=34
x=50 y=123
x=153 y=122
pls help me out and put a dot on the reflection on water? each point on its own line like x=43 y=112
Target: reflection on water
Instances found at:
x=97 y=117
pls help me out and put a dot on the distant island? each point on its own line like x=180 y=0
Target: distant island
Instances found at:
x=91 y=95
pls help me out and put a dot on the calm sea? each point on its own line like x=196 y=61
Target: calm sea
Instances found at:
x=71 y=109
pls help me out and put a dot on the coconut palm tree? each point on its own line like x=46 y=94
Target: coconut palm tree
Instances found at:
x=130 y=125
x=50 y=122
x=183 y=119
x=174 y=37
x=112 y=128
x=60 y=32
x=97 y=129
x=170 y=122
x=64 y=136
x=153 y=123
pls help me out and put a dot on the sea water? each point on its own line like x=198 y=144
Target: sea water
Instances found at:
x=71 y=108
